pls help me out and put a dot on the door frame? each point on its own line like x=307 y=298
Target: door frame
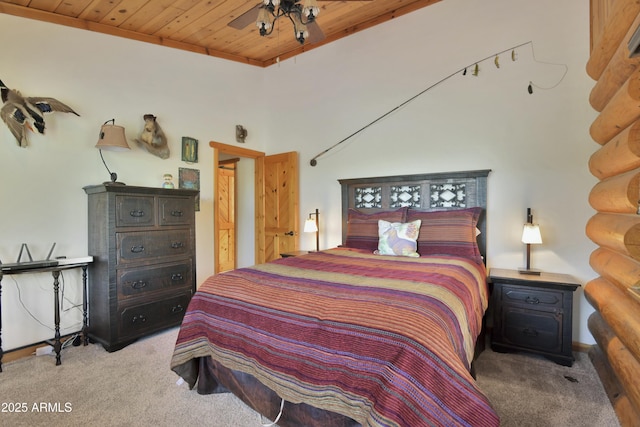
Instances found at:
x=259 y=232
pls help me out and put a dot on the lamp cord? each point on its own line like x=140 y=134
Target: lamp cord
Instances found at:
x=113 y=175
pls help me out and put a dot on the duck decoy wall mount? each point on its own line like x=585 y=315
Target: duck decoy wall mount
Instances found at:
x=20 y=112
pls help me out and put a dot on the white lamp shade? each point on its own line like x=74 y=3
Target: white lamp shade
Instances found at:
x=531 y=234
x=112 y=138
x=310 y=226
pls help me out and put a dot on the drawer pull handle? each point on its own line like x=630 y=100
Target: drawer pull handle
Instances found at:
x=176 y=213
x=137 y=213
x=138 y=319
x=177 y=309
x=139 y=284
x=532 y=300
x=137 y=249
x=176 y=276
x=177 y=245
x=530 y=332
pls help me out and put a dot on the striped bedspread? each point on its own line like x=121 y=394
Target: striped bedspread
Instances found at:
x=387 y=341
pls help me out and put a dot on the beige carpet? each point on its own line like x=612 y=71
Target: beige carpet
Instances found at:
x=134 y=387
x=529 y=390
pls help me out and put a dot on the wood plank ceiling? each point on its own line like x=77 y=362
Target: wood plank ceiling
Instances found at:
x=201 y=26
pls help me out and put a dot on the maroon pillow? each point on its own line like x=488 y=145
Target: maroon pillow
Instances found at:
x=450 y=232
x=362 y=228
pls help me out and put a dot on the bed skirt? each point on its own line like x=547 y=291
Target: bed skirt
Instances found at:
x=215 y=378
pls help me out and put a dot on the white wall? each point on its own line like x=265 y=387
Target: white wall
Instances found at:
x=536 y=145
x=101 y=77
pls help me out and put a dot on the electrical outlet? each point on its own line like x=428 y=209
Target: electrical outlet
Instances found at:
x=41 y=351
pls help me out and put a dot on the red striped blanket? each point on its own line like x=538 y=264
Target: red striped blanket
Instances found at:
x=387 y=341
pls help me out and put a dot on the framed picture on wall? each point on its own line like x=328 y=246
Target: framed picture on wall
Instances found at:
x=189 y=150
x=190 y=178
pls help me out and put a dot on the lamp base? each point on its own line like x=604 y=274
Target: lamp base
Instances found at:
x=529 y=271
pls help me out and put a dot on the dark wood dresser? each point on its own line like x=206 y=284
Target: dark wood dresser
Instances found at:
x=533 y=313
x=143 y=275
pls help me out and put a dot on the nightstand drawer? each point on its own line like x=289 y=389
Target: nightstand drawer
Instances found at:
x=531 y=329
x=531 y=297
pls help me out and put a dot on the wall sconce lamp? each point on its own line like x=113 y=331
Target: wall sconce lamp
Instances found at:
x=112 y=139
x=530 y=236
x=241 y=133
x=311 y=226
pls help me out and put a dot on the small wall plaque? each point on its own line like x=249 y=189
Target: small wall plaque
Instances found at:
x=189 y=149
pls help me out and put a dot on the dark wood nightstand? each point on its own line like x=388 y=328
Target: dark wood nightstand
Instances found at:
x=533 y=313
x=293 y=253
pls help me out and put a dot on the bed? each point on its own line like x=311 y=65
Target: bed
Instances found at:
x=380 y=331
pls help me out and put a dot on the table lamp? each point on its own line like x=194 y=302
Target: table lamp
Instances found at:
x=530 y=236
x=112 y=138
x=311 y=226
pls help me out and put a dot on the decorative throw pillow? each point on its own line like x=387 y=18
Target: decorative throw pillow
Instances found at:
x=397 y=238
x=451 y=232
x=362 y=228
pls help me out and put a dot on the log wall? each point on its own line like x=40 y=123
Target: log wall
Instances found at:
x=615 y=227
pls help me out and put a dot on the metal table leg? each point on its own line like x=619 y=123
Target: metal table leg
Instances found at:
x=57 y=345
x=85 y=328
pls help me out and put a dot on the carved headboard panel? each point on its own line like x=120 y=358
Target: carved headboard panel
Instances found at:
x=430 y=191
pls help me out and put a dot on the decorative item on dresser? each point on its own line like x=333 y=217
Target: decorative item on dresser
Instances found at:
x=143 y=276
x=533 y=313
x=112 y=138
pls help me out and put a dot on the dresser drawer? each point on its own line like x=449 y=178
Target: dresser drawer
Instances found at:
x=135 y=211
x=137 y=246
x=175 y=210
x=531 y=297
x=152 y=316
x=532 y=329
x=140 y=281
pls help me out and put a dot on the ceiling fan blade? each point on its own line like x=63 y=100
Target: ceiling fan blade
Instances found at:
x=315 y=32
x=249 y=17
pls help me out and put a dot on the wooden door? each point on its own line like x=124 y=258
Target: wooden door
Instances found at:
x=226 y=196
x=280 y=204
x=276 y=201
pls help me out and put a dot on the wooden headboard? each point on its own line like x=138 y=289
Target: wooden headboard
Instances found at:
x=429 y=191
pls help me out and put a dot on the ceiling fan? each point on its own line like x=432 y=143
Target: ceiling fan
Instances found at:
x=301 y=13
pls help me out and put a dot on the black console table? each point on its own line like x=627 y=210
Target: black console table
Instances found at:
x=62 y=264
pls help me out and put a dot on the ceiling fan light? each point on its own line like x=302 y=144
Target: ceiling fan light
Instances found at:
x=264 y=20
x=301 y=35
x=300 y=30
x=311 y=9
x=273 y=3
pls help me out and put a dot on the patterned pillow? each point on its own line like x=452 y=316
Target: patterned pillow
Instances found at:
x=362 y=229
x=398 y=238
x=448 y=232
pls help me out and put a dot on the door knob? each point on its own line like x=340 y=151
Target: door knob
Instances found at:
x=290 y=233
